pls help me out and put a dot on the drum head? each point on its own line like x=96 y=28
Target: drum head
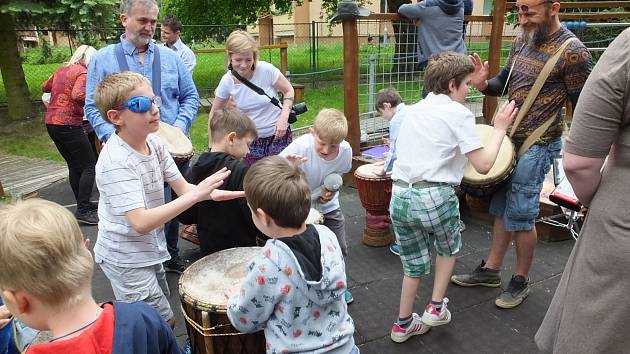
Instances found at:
x=205 y=282
x=175 y=141
x=367 y=172
x=501 y=166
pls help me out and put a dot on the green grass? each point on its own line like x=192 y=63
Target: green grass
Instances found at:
x=30 y=139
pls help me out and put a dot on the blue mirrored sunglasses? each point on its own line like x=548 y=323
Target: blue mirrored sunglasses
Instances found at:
x=141 y=104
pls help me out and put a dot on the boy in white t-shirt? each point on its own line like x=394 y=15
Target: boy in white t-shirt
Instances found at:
x=424 y=208
x=324 y=152
x=130 y=175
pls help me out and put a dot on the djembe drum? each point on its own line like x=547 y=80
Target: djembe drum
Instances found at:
x=375 y=193
x=176 y=143
x=479 y=185
x=202 y=288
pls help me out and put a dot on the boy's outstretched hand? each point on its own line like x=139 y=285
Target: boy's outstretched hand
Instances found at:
x=505 y=115
x=221 y=195
x=296 y=159
x=203 y=191
x=480 y=75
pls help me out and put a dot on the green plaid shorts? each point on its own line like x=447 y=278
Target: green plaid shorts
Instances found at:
x=421 y=217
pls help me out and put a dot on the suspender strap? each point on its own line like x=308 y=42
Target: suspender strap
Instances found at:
x=156 y=72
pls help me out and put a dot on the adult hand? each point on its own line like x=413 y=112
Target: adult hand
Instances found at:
x=281 y=127
x=505 y=115
x=204 y=190
x=5 y=316
x=480 y=75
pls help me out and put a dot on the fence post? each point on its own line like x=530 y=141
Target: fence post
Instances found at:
x=313 y=51
x=371 y=81
x=284 y=66
x=351 y=83
x=494 y=54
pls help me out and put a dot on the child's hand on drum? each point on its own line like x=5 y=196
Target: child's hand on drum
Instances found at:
x=505 y=115
x=296 y=159
x=379 y=168
x=5 y=316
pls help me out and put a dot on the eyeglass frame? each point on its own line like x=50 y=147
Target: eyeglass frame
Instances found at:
x=156 y=100
x=525 y=8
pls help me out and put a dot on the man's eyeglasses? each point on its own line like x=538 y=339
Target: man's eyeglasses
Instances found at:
x=141 y=104
x=525 y=8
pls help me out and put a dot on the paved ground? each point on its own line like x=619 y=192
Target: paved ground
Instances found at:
x=375 y=278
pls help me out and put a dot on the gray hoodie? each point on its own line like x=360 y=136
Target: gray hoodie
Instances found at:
x=441 y=26
x=298 y=315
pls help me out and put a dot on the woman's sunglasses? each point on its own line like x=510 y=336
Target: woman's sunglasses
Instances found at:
x=141 y=104
x=525 y=8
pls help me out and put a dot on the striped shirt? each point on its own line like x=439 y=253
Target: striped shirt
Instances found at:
x=128 y=180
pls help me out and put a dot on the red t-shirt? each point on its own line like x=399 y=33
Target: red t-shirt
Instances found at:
x=96 y=339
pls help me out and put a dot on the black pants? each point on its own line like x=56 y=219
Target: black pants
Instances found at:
x=74 y=146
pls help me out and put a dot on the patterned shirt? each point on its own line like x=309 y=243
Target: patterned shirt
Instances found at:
x=67 y=89
x=567 y=77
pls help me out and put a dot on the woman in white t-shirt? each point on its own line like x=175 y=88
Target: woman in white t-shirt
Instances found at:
x=274 y=133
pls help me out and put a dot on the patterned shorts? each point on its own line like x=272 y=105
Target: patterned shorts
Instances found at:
x=268 y=146
x=421 y=217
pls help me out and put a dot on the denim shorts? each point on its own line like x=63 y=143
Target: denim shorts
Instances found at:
x=517 y=202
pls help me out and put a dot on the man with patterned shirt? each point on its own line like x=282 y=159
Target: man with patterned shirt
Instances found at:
x=516 y=206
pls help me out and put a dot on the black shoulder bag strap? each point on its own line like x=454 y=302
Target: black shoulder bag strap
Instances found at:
x=156 y=72
x=254 y=88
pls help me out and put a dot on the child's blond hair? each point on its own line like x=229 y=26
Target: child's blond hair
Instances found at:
x=114 y=90
x=444 y=67
x=331 y=126
x=241 y=42
x=227 y=120
x=279 y=188
x=43 y=252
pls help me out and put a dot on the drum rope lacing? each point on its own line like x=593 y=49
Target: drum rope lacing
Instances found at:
x=205 y=331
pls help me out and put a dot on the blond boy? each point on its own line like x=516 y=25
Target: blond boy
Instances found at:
x=46 y=283
x=294 y=287
x=325 y=152
x=130 y=175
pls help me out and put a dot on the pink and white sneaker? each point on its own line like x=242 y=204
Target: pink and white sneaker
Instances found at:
x=433 y=317
x=400 y=334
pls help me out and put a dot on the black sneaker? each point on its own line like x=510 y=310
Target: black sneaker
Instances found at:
x=175 y=265
x=87 y=217
x=481 y=276
x=516 y=292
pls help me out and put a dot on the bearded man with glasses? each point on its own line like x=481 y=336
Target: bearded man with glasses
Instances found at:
x=516 y=205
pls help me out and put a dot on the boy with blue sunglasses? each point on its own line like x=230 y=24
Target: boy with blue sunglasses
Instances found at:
x=130 y=175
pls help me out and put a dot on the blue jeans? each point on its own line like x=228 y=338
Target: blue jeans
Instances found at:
x=517 y=203
x=171 y=228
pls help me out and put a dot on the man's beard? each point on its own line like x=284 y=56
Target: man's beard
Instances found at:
x=538 y=35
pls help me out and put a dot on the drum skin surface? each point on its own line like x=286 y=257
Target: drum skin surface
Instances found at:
x=202 y=288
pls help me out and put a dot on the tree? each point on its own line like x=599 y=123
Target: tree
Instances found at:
x=72 y=14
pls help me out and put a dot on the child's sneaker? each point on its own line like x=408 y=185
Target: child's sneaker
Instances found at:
x=395 y=248
x=416 y=327
x=433 y=317
x=347 y=296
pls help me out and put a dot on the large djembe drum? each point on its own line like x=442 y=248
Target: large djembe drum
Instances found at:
x=375 y=193
x=202 y=288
